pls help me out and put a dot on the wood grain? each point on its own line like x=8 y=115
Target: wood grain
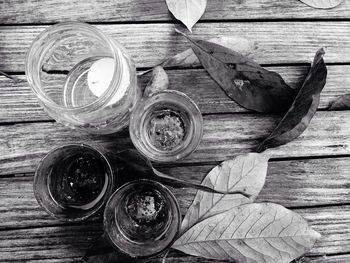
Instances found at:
x=300 y=183
x=18 y=102
x=72 y=241
x=149 y=44
x=225 y=136
x=33 y=11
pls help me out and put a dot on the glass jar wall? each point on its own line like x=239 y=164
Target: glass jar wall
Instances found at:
x=82 y=77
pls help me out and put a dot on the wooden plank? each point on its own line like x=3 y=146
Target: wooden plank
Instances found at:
x=149 y=44
x=72 y=241
x=18 y=102
x=34 y=11
x=225 y=136
x=299 y=183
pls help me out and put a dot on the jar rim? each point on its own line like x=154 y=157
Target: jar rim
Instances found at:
x=109 y=210
x=144 y=107
x=108 y=93
x=97 y=207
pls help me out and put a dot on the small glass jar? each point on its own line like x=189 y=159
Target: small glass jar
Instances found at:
x=142 y=219
x=82 y=77
x=166 y=127
x=73 y=182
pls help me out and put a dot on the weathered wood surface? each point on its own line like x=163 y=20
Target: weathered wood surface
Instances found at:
x=299 y=183
x=225 y=136
x=282 y=33
x=72 y=241
x=18 y=102
x=149 y=44
x=33 y=11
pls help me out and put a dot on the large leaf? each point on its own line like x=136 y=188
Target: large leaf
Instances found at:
x=244 y=173
x=341 y=103
x=255 y=232
x=187 y=11
x=187 y=58
x=322 y=4
x=304 y=107
x=135 y=166
x=242 y=79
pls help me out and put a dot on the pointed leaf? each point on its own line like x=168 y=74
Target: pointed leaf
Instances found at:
x=322 y=4
x=242 y=79
x=187 y=58
x=341 y=103
x=187 y=11
x=262 y=232
x=159 y=81
x=244 y=173
x=135 y=166
x=304 y=107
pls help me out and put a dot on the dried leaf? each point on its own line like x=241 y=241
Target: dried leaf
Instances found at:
x=242 y=79
x=341 y=103
x=322 y=4
x=261 y=232
x=159 y=81
x=304 y=107
x=138 y=167
x=187 y=11
x=187 y=58
x=244 y=173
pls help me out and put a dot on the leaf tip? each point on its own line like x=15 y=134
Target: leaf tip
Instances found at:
x=316 y=234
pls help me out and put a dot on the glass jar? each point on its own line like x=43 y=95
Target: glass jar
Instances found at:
x=166 y=127
x=142 y=219
x=73 y=182
x=82 y=77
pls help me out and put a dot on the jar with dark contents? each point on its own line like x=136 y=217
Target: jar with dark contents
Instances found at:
x=142 y=219
x=166 y=127
x=73 y=182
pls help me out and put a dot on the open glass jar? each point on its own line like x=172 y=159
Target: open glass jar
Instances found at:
x=73 y=182
x=166 y=127
x=82 y=77
x=142 y=219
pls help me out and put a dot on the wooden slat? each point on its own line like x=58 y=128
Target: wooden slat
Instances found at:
x=299 y=183
x=19 y=104
x=72 y=241
x=225 y=136
x=178 y=257
x=33 y=11
x=149 y=44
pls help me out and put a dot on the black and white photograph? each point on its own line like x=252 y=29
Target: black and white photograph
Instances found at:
x=175 y=131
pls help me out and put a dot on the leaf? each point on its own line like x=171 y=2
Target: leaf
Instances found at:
x=187 y=58
x=322 y=4
x=242 y=79
x=244 y=173
x=304 y=107
x=138 y=167
x=159 y=81
x=255 y=232
x=341 y=103
x=187 y=11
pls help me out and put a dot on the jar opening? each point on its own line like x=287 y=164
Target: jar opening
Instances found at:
x=74 y=67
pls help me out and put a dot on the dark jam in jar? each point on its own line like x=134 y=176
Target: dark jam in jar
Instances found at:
x=79 y=181
x=145 y=215
x=166 y=130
